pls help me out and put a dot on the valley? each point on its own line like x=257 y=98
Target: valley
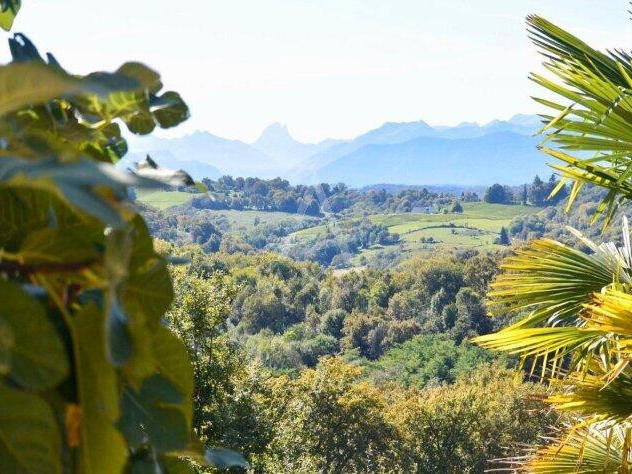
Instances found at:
x=476 y=228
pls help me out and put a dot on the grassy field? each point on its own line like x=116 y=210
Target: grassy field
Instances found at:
x=246 y=220
x=239 y=220
x=164 y=199
x=477 y=227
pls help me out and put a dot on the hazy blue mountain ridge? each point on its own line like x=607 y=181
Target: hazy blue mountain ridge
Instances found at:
x=399 y=153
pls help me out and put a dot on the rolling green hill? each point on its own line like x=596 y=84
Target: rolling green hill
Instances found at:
x=477 y=227
x=164 y=199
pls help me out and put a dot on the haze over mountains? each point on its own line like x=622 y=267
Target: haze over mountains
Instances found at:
x=400 y=153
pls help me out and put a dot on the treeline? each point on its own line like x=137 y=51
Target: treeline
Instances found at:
x=279 y=195
x=552 y=221
x=305 y=371
x=535 y=194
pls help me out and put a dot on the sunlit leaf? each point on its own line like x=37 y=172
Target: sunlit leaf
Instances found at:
x=173 y=364
x=8 y=10
x=553 y=280
x=102 y=448
x=32 y=83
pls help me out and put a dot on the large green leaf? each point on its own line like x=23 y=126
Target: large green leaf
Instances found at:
x=75 y=183
x=30 y=442
x=155 y=415
x=76 y=243
x=174 y=365
x=142 y=109
x=37 y=357
x=554 y=280
x=32 y=83
x=592 y=115
x=148 y=289
x=141 y=292
x=54 y=112
x=583 y=450
x=119 y=343
x=102 y=449
x=170 y=110
x=24 y=211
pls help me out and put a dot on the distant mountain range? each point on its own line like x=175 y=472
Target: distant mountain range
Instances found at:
x=405 y=153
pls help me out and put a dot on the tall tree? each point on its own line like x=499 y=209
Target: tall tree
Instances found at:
x=497 y=194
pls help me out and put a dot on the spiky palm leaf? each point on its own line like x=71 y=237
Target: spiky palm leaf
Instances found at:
x=557 y=283
x=579 y=327
x=555 y=280
x=592 y=124
x=581 y=450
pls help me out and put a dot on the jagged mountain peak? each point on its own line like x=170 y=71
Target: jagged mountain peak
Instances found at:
x=402 y=152
x=275 y=133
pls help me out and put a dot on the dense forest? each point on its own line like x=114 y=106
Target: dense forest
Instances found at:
x=371 y=371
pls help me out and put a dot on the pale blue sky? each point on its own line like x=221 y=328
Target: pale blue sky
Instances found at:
x=326 y=68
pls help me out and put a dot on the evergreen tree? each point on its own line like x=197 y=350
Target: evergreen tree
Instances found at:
x=538 y=192
x=456 y=207
x=503 y=239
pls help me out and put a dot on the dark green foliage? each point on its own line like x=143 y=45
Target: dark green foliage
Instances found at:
x=332 y=322
x=498 y=194
x=90 y=380
x=479 y=271
x=469 y=196
x=278 y=195
x=503 y=238
x=428 y=358
x=539 y=192
x=456 y=207
x=288 y=313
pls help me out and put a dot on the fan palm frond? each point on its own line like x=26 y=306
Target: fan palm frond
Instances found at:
x=554 y=280
x=596 y=401
x=592 y=125
x=583 y=450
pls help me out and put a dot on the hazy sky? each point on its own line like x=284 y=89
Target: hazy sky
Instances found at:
x=326 y=68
